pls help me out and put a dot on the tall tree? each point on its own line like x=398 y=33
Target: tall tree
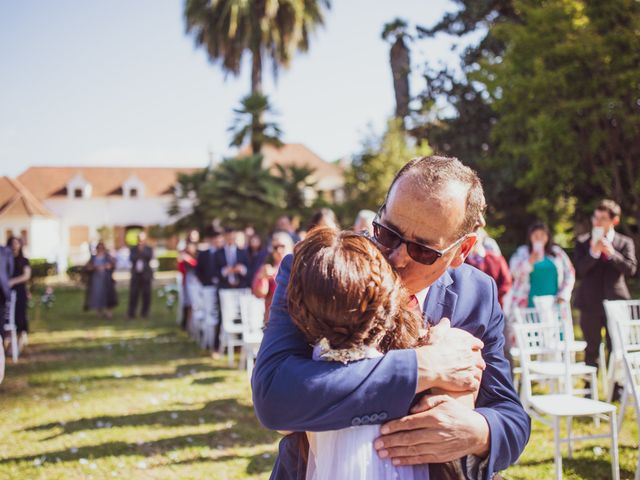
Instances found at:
x=265 y=29
x=247 y=125
x=399 y=59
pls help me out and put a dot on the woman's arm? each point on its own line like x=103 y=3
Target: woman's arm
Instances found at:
x=24 y=278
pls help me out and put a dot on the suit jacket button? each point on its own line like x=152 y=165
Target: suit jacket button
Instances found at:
x=382 y=416
x=366 y=420
x=356 y=421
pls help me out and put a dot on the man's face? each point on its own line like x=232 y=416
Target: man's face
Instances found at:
x=230 y=238
x=434 y=222
x=601 y=218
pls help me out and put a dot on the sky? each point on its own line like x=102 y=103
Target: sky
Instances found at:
x=119 y=83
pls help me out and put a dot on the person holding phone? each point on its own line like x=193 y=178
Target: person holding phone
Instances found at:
x=603 y=258
x=540 y=267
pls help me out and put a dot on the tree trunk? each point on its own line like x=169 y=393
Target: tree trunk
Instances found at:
x=400 y=68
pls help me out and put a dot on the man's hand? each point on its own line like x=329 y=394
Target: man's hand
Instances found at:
x=607 y=248
x=452 y=360
x=440 y=429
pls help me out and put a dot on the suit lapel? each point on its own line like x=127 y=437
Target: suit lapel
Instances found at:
x=440 y=301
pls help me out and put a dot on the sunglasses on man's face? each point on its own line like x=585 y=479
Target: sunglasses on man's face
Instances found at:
x=390 y=239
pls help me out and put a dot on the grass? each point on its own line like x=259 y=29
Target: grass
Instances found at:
x=138 y=400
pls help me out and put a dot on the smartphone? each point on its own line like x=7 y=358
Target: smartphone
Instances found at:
x=597 y=234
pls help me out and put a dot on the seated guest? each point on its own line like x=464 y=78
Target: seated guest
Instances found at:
x=264 y=282
x=101 y=287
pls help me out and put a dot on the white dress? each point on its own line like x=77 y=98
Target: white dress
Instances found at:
x=348 y=454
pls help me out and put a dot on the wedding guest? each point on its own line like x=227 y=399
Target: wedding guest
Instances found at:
x=540 y=267
x=232 y=262
x=102 y=295
x=187 y=263
x=324 y=218
x=6 y=269
x=425 y=228
x=603 y=259
x=491 y=263
x=208 y=275
x=283 y=223
x=264 y=282
x=18 y=283
x=257 y=254
x=369 y=314
x=141 y=277
x=364 y=221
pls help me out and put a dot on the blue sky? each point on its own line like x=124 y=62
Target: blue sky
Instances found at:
x=119 y=83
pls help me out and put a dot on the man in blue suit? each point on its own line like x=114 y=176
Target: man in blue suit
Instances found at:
x=426 y=228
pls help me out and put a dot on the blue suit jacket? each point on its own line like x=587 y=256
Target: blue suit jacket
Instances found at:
x=292 y=392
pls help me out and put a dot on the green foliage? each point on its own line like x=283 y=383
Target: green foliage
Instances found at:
x=42 y=268
x=371 y=172
x=241 y=191
x=250 y=124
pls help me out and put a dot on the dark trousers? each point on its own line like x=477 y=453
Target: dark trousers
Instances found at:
x=139 y=286
x=592 y=324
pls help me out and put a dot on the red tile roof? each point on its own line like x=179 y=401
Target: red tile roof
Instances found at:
x=16 y=200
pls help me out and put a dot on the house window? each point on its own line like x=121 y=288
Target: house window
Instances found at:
x=133 y=193
x=77 y=193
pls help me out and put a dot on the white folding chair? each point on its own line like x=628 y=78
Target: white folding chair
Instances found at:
x=10 y=326
x=252 y=314
x=548 y=305
x=631 y=361
x=617 y=311
x=231 y=319
x=550 y=367
x=628 y=335
x=210 y=318
x=542 y=340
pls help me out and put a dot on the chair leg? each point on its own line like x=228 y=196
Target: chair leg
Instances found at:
x=569 y=434
x=615 y=467
x=623 y=408
x=637 y=477
x=558 y=453
x=594 y=396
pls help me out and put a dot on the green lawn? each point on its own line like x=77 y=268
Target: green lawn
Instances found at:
x=118 y=399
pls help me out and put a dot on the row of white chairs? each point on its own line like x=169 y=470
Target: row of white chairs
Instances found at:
x=241 y=317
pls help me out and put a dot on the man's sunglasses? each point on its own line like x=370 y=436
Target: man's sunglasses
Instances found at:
x=390 y=239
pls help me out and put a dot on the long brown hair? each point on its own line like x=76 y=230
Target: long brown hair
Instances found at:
x=343 y=288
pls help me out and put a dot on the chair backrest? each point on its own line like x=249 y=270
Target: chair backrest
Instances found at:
x=252 y=313
x=526 y=316
x=230 y=308
x=624 y=312
x=549 y=308
x=632 y=367
x=541 y=340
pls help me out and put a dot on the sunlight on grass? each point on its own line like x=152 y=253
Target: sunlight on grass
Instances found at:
x=137 y=399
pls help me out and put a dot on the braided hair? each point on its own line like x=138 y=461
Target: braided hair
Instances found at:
x=343 y=289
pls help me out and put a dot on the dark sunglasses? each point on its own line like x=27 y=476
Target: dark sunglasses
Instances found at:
x=390 y=239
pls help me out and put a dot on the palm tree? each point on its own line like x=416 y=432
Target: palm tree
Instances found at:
x=396 y=33
x=250 y=123
x=228 y=29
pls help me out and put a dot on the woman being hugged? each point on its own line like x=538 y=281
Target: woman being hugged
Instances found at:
x=347 y=300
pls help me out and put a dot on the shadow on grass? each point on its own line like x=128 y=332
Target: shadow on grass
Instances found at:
x=585 y=466
x=212 y=412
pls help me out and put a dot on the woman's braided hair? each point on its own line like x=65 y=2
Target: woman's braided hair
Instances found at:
x=343 y=289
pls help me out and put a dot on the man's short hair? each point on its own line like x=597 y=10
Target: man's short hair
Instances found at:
x=609 y=206
x=434 y=172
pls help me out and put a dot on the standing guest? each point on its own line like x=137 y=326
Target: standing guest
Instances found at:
x=187 y=263
x=324 y=218
x=101 y=287
x=264 y=282
x=18 y=283
x=207 y=273
x=492 y=264
x=603 y=258
x=6 y=269
x=232 y=262
x=364 y=221
x=540 y=267
x=141 y=276
x=257 y=254
x=284 y=224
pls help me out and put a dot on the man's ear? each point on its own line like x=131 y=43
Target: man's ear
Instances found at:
x=616 y=220
x=464 y=249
